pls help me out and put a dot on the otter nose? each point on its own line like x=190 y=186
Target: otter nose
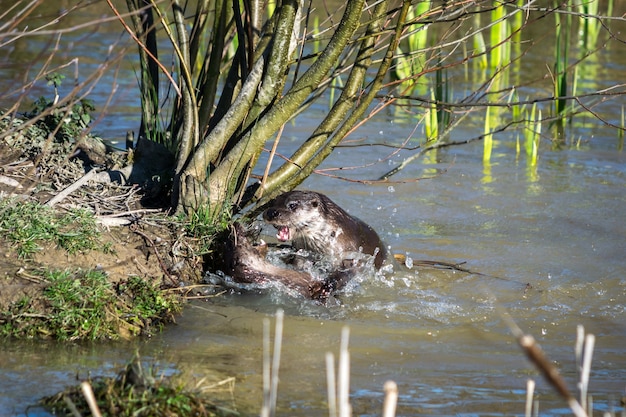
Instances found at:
x=270 y=214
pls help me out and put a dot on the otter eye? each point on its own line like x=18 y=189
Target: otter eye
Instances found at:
x=292 y=205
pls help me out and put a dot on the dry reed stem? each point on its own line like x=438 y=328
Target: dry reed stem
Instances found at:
x=530 y=392
x=585 y=365
x=266 y=368
x=550 y=372
x=345 y=409
x=330 y=382
x=90 y=398
x=271 y=367
x=278 y=340
x=536 y=355
x=391 y=399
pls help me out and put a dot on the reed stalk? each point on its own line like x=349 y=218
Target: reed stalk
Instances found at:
x=532 y=134
x=487 y=137
x=561 y=59
x=589 y=25
x=431 y=125
x=345 y=409
x=315 y=35
x=620 y=132
x=498 y=35
x=443 y=95
x=530 y=392
x=480 y=48
x=516 y=116
x=584 y=352
x=410 y=59
x=271 y=367
x=87 y=391
x=538 y=358
x=331 y=386
x=391 y=399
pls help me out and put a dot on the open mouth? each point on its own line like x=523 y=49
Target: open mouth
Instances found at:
x=284 y=234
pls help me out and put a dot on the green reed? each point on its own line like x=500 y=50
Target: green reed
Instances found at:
x=431 y=124
x=500 y=31
x=443 y=95
x=561 y=59
x=437 y=115
x=516 y=115
x=497 y=58
x=532 y=134
x=317 y=45
x=409 y=58
x=487 y=136
x=589 y=27
x=480 y=48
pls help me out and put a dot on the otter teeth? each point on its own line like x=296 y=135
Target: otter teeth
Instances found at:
x=284 y=234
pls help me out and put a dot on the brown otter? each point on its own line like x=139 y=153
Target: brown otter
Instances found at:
x=246 y=263
x=314 y=222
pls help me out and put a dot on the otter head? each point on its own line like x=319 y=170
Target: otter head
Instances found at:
x=300 y=216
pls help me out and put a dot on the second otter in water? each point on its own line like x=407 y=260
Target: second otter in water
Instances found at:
x=314 y=222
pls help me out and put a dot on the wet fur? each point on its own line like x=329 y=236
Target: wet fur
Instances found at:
x=246 y=263
x=317 y=224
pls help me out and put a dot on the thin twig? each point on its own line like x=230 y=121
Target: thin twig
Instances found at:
x=32 y=278
x=142 y=46
x=156 y=253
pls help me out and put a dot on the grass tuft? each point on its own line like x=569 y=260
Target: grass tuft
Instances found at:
x=200 y=225
x=27 y=225
x=134 y=392
x=84 y=305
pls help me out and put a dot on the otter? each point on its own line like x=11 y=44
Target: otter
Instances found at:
x=246 y=263
x=314 y=222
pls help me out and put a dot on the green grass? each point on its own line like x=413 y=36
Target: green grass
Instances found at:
x=136 y=392
x=201 y=225
x=85 y=305
x=28 y=225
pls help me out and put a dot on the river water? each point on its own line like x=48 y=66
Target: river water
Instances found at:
x=549 y=242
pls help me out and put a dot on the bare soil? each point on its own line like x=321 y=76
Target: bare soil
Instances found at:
x=137 y=239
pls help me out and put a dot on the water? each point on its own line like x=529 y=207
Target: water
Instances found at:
x=550 y=241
